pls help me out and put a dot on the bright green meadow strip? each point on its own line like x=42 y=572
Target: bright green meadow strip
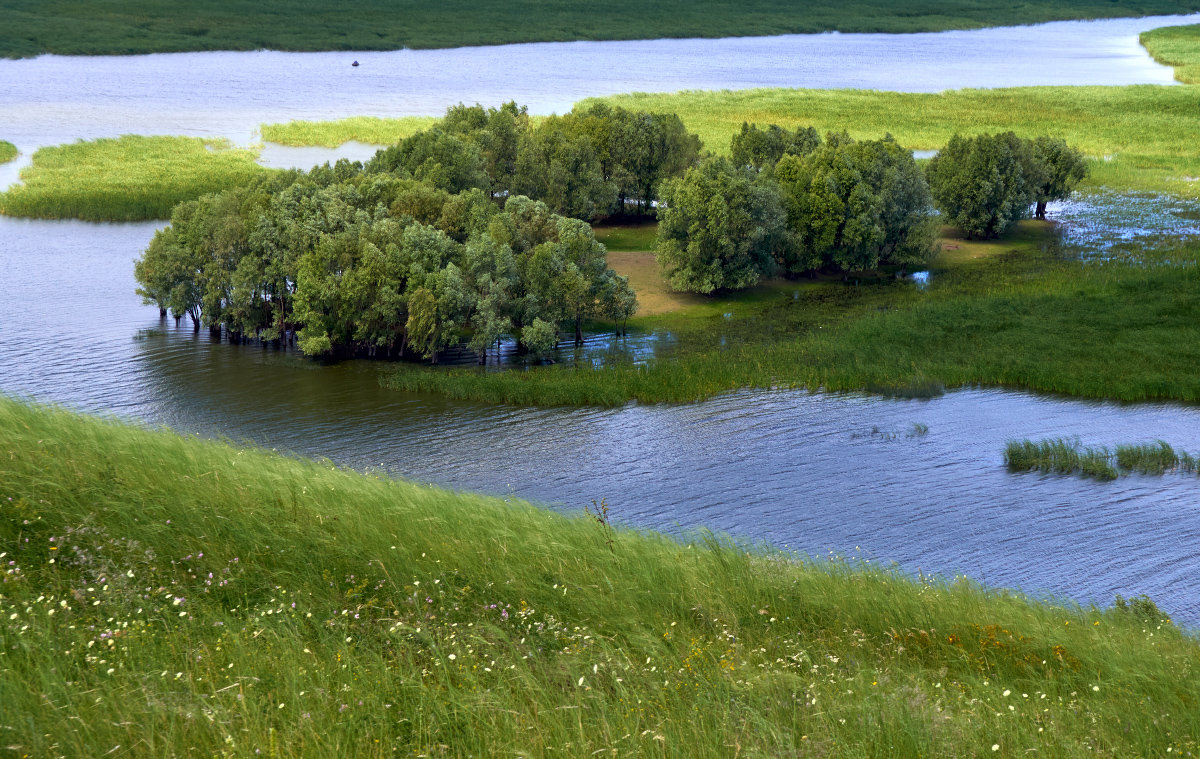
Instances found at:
x=126 y=179
x=78 y=27
x=295 y=609
x=1143 y=137
x=1177 y=46
x=330 y=134
x=8 y=151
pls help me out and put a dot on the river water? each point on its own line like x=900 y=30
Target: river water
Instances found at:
x=817 y=473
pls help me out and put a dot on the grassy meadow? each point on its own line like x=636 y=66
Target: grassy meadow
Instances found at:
x=8 y=151
x=165 y=596
x=1177 y=46
x=329 y=134
x=77 y=27
x=1141 y=138
x=125 y=179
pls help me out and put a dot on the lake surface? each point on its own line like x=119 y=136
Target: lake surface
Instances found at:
x=54 y=99
x=818 y=473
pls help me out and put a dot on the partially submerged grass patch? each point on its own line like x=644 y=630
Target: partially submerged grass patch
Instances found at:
x=1177 y=46
x=1140 y=137
x=366 y=129
x=1063 y=456
x=126 y=179
x=8 y=151
x=297 y=609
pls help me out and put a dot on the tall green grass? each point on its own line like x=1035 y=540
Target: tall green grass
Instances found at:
x=369 y=129
x=1018 y=318
x=76 y=27
x=8 y=151
x=1177 y=46
x=1140 y=137
x=127 y=178
x=165 y=596
x=1069 y=457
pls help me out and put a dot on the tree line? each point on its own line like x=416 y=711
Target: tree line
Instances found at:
x=789 y=202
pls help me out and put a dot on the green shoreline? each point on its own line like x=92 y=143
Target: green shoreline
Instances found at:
x=127 y=27
x=297 y=609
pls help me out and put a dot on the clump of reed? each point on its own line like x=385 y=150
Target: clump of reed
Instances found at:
x=369 y=129
x=1063 y=456
x=8 y=151
x=129 y=178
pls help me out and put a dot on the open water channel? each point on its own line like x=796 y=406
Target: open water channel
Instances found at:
x=846 y=474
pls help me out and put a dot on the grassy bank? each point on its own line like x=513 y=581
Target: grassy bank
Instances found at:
x=330 y=134
x=125 y=179
x=8 y=151
x=164 y=596
x=1177 y=46
x=1141 y=137
x=1005 y=313
x=74 y=27
x=1069 y=457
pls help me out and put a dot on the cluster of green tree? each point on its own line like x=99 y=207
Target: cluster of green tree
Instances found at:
x=789 y=202
x=985 y=184
x=350 y=262
x=593 y=162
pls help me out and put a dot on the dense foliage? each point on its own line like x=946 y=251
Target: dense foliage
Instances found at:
x=351 y=262
x=986 y=183
x=788 y=201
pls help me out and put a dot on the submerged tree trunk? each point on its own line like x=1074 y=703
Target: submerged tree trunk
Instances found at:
x=1041 y=210
x=578 y=332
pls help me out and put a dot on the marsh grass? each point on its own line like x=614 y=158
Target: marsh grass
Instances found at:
x=1063 y=456
x=1004 y=314
x=126 y=179
x=296 y=609
x=1177 y=46
x=1140 y=137
x=8 y=151
x=138 y=26
x=366 y=129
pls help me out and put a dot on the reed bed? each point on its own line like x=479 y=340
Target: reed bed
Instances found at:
x=368 y=129
x=168 y=596
x=8 y=151
x=1177 y=46
x=127 y=178
x=1139 y=137
x=123 y=27
x=1063 y=456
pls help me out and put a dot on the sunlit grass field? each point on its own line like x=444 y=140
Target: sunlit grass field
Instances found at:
x=8 y=151
x=125 y=179
x=1142 y=137
x=77 y=27
x=1177 y=46
x=166 y=596
x=369 y=129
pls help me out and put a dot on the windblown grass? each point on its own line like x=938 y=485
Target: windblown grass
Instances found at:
x=164 y=596
x=1013 y=318
x=125 y=179
x=1141 y=137
x=8 y=151
x=367 y=129
x=1069 y=457
x=1177 y=46
x=74 y=27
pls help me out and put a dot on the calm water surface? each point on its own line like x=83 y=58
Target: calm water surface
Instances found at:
x=817 y=473
x=55 y=99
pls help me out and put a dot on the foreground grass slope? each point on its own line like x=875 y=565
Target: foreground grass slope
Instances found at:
x=1176 y=46
x=77 y=27
x=164 y=596
x=126 y=179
